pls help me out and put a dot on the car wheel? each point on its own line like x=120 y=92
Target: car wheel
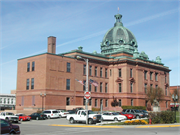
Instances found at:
x=37 y=118
x=49 y=117
x=21 y=120
x=71 y=120
x=60 y=116
x=137 y=117
x=90 y=121
x=12 y=133
x=115 y=119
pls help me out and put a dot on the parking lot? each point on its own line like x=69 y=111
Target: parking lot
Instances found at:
x=44 y=127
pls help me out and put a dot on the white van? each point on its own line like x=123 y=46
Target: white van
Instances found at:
x=51 y=114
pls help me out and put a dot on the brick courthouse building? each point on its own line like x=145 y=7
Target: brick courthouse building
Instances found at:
x=120 y=70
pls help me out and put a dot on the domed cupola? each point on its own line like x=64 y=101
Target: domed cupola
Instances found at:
x=118 y=39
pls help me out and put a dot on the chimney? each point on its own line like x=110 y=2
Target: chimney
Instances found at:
x=52 y=44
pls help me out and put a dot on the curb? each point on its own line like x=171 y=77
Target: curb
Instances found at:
x=98 y=126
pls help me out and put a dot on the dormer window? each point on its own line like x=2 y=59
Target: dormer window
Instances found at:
x=121 y=42
x=107 y=43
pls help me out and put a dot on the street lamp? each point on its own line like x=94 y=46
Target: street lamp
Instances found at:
x=175 y=98
x=86 y=105
x=42 y=95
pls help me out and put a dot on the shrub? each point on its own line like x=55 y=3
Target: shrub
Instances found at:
x=96 y=109
x=162 y=117
x=135 y=122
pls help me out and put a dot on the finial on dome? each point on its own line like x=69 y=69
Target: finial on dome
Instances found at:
x=118 y=10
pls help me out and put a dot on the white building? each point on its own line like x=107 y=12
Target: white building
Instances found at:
x=7 y=101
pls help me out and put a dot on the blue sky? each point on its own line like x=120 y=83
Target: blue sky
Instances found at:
x=25 y=26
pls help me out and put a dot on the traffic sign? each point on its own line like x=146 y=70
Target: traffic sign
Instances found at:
x=87 y=95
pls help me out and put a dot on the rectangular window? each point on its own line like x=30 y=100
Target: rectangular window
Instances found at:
x=11 y=100
x=106 y=72
x=131 y=72
x=95 y=73
x=84 y=70
x=68 y=67
x=28 y=66
x=95 y=89
x=145 y=88
x=67 y=84
x=32 y=83
x=67 y=101
x=33 y=66
x=95 y=102
x=145 y=75
x=33 y=100
x=165 y=78
x=101 y=102
x=156 y=76
x=110 y=72
x=4 y=100
x=8 y=101
x=89 y=87
x=100 y=87
x=84 y=86
x=146 y=103
x=84 y=101
x=22 y=101
x=119 y=72
x=90 y=101
x=120 y=90
x=131 y=102
x=166 y=104
x=106 y=87
x=156 y=86
x=166 y=91
x=106 y=103
x=151 y=73
x=27 y=84
x=1 y=100
x=131 y=87
x=119 y=102
x=100 y=72
x=90 y=70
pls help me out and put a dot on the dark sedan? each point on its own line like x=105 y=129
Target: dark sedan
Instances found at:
x=38 y=116
x=9 y=128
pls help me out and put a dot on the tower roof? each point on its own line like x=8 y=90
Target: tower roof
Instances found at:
x=117 y=38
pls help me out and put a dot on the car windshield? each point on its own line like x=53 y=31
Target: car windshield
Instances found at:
x=144 y=111
x=55 y=111
x=9 y=113
x=137 y=111
x=123 y=112
x=115 y=114
x=22 y=115
x=91 y=112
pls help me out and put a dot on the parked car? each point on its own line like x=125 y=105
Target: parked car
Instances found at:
x=113 y=116
x=135 y=112
x=71 y=111
x=38 y=116
x=145 y=113
x=9 y=116
x=8 y=128
x=81 y=116
x=62 y=113
x=129 y=116
x=23 y=117
x=51 y=114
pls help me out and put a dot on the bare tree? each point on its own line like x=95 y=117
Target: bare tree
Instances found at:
x=154 y=94
x=114 y=103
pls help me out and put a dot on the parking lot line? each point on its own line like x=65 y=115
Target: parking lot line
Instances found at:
x=86 y=126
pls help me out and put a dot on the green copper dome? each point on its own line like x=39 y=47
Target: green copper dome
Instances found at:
x=118 y=39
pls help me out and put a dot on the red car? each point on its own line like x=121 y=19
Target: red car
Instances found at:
x=23 y=117
x=129 y=116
